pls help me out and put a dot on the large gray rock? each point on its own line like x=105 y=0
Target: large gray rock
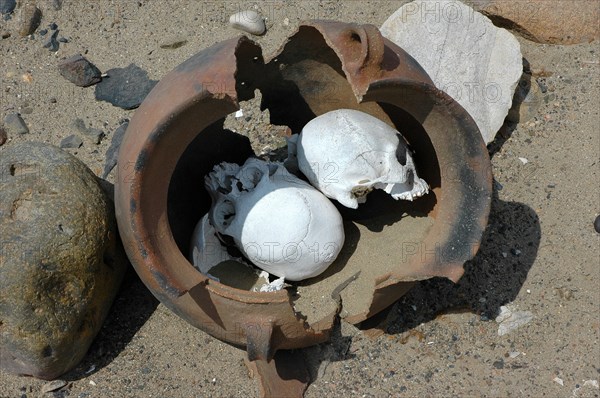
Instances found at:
x=476 y=63
x=60 y=263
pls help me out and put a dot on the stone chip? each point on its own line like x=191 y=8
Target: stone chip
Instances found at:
x=79 y=71
x=15 y=125
x=30 y=19
x=72 y=141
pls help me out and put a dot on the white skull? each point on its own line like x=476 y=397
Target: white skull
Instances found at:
x=281 y=223
x=347 y=153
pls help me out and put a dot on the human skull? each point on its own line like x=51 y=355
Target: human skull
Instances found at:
x=279 y=222
x=347 y=153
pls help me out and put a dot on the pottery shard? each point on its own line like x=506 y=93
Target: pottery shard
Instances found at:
x=60 y=265
x=543 y=21
x=476 y=63
x=79 y=71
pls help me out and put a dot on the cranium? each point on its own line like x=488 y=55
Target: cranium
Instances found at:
x=347 y=153
x=279 y=222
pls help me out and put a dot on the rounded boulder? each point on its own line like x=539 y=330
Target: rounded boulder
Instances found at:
x=60 y=263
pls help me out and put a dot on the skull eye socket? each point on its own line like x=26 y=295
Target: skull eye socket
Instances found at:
x=401 y=150
x=255 y=176
x=401 y=155
x=250 y=177
x=224 y=213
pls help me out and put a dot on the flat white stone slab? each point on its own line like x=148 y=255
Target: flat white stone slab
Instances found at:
x=476 y=63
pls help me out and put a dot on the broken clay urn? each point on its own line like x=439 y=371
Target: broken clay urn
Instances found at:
x=176 y=137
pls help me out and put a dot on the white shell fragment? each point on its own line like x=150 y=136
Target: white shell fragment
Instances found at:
x=248 y=21
x=476 y=63
x=347 y=153
x=509 y=320
x=279 y=222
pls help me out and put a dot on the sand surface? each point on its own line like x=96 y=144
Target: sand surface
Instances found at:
x=539 y=252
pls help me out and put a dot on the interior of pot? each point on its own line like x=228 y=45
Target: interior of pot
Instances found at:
x=381 y=235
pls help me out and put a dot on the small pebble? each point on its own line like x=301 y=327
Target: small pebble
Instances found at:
x=96 y=135
x=173 y=43
x=3 y=136
x=63 y=40
x=597 y=224
x=5 y=34
x=71 y=141
x=57 y=5
x=29 y=20
x=543 y=86
x=79 y=71
x=248 y=21
x=50 y=41
x=53 y=386
x=7 y=6
x=15 y=125
x=53 y=26
x=43 y=32
x=559 y=381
